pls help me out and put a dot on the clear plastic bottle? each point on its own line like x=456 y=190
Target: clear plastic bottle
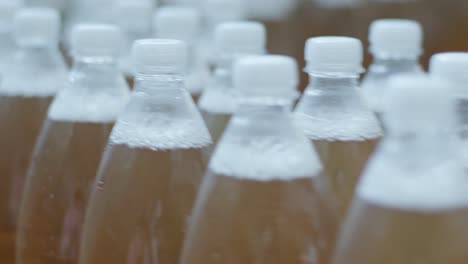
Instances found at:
x=70 y=147
x=411 y=205
x=262 y=200
x=134 y=19
x=184 y=23
x=234 y=40
x=453 y=67
x=216 y=12
x=37 y=71
x=396 y=45
x=334 y=116
x=7 y=42
x=152 y=167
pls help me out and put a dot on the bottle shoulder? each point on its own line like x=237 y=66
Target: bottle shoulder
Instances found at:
x=265 y=148
x=83 y=103
x=337 y=116
x=398 y=179
x=161 y=121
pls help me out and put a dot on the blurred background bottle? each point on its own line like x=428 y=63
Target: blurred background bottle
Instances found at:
x=184 y=23
x=36 y=73
x=411 y=204
x=396 y=45
x=233 y=40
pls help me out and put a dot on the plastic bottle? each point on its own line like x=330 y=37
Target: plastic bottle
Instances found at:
x=184 y=23
x=152 y=167
x=216 y=12
x=411 y=205
x=262 y=200
x=334 y=116
x=134 y=19
x=452 y=67
x=396 y=45
x=70 y=147
x=234 y=40
x=37 y=71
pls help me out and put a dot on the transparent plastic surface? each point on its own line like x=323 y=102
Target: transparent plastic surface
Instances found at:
x=32 y=79
x=380 y=71
x=411 y=204
x=21 y=119
x=65 y=161
x=263 y=184
x=148 y=178
x=335 y=118
x=57 y=190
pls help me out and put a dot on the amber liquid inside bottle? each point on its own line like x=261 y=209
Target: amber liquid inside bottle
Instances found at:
x=141 y=205
x=343 y=163
x=56 y=195
x=240 y=220
x=379 y=234
x=21 y=119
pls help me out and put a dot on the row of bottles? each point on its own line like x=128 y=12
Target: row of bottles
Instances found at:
x=96 y=174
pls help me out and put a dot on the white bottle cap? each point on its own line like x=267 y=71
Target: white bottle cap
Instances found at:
x=218 y=11
x=396 y=38
x=418 y=103
x=177 y=22
x=134 y=15
x=37 y=26
x=7 y=14
x=453 y=67
x=240 y=38
x=272 y=76
x=160 y=55
x=332 y=55
x=96 y=40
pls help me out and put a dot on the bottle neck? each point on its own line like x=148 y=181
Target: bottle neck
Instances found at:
x=96 y=72
x=223 y=72
x=333 y=83
x=402 y=63
x=149 y=82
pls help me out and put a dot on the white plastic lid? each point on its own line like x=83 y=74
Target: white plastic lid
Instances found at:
x=96 y=40
x=177 y=22
x=270 y=76
x=160 y=55
x=240 y=38
x=134 y=14
x=37 y=26
x=418 y=103
x=396 y=38
x=452 y=66
x=334 y=55
x=218 y=11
